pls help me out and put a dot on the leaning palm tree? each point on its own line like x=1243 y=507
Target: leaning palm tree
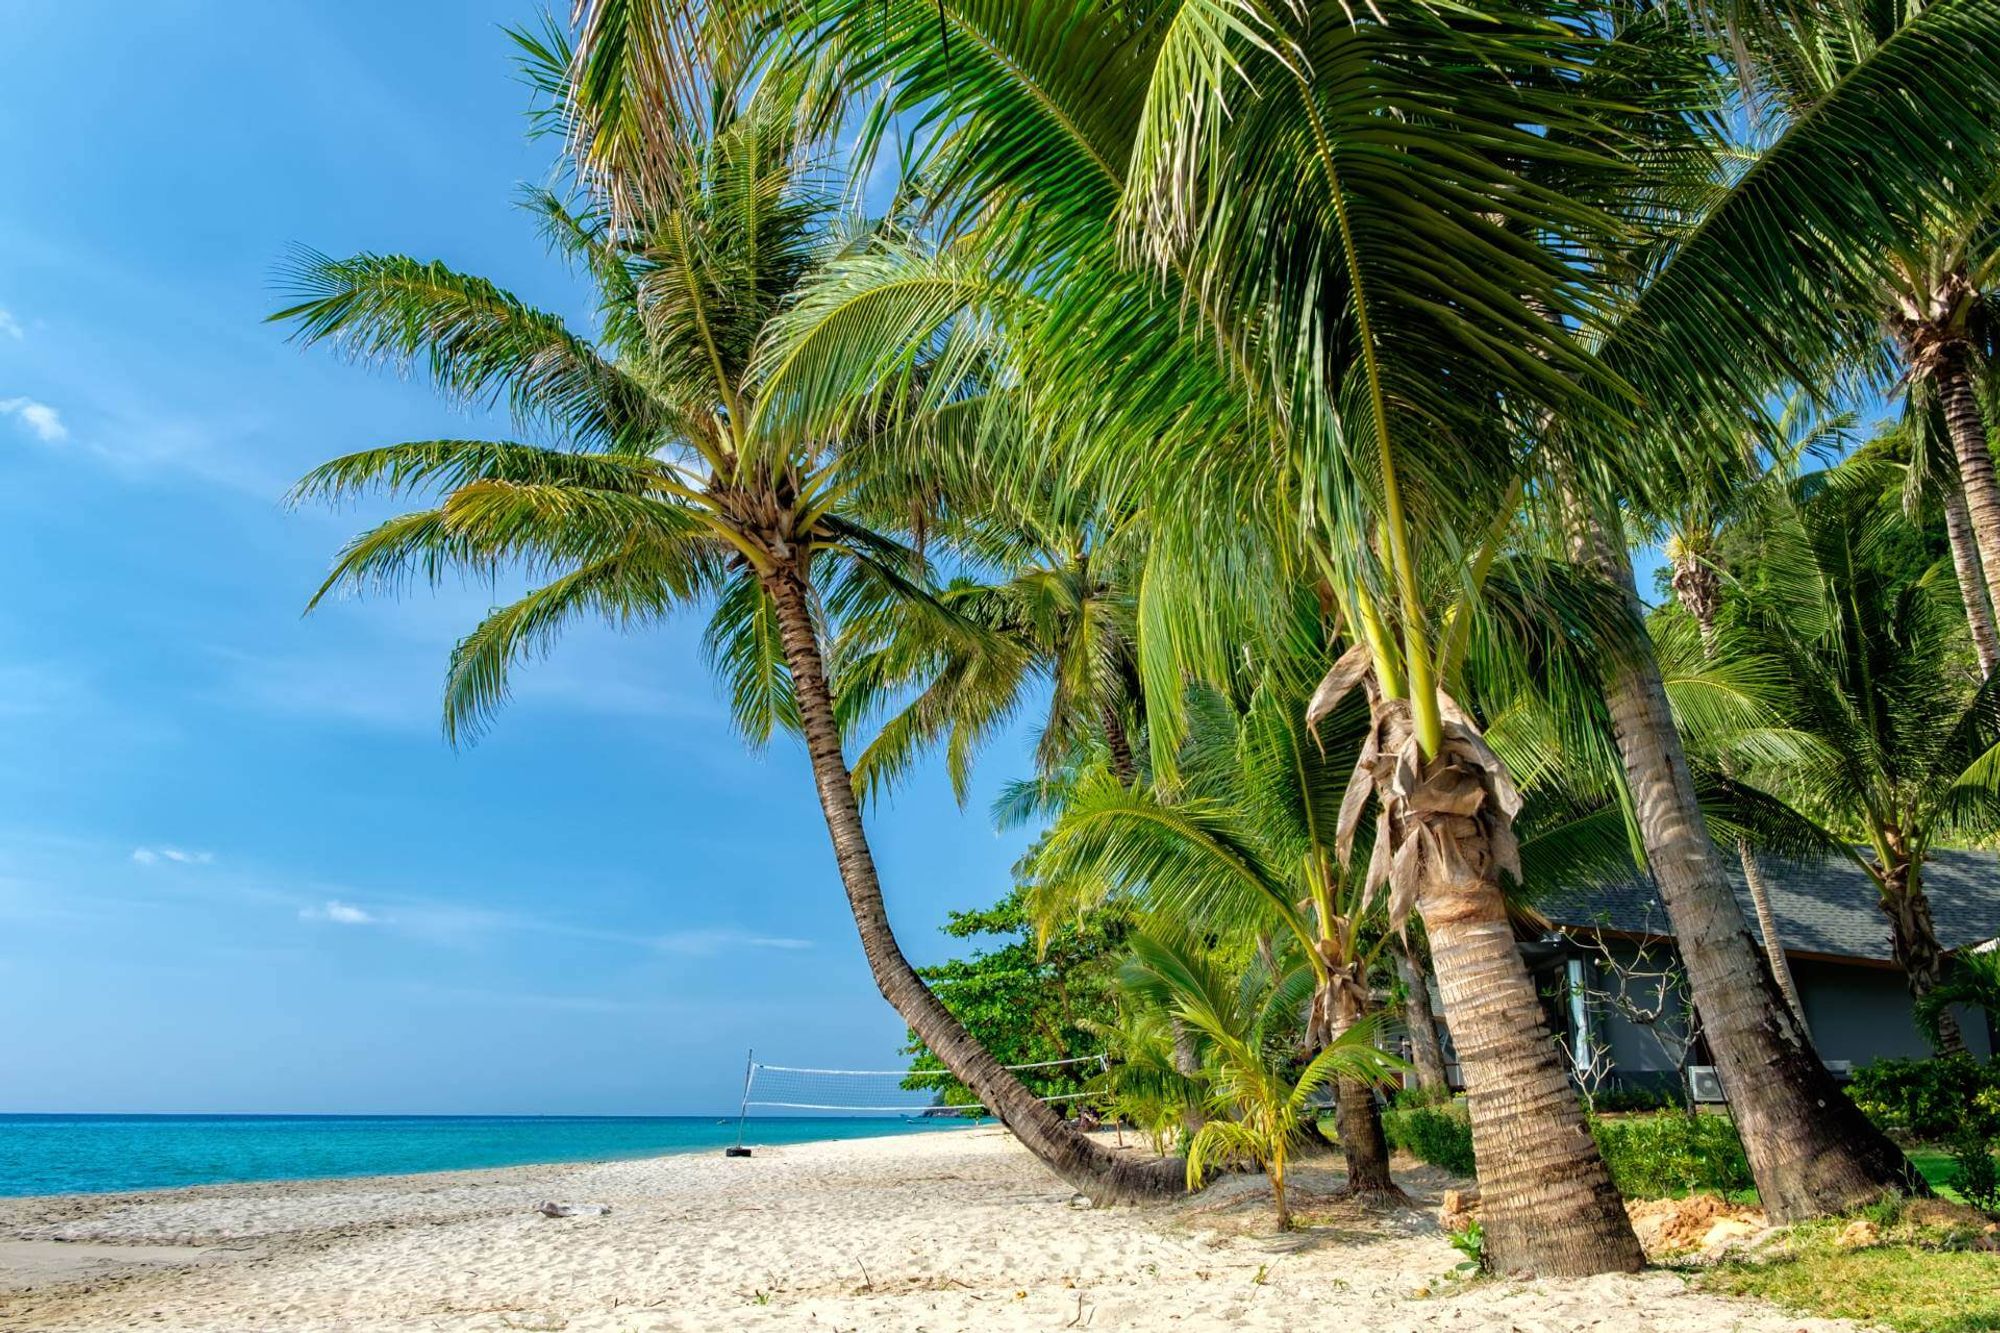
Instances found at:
x=1352 y=416
x=1264 y=1110
x=1931 y=290
x=1696 y=574
x=1759 y=280
x=1908 y=750
x=680 y=482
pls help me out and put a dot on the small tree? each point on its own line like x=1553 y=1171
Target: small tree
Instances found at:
x=1261 y=1099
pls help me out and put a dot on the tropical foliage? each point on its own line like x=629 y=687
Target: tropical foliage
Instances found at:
x=1266 y=401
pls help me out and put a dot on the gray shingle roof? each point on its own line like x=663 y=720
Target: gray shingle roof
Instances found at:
x=1828 y=908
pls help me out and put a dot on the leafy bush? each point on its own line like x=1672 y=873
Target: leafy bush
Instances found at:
x=1672 y=1153
x=1974 y=1174
x=1637 y=1097
x=1931 y=1101
x=1436 y=1132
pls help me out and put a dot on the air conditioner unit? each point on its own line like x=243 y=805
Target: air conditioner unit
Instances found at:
x=1704 y=1082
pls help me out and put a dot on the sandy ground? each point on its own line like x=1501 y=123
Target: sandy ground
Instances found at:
x=932 y=1232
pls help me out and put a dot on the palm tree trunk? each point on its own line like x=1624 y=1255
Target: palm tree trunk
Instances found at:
x=1972 y=581
x=1062 y=1148
x=1355 y=1114
x=1767 y=927
x=1426 y=1052
x=1187 y=1064
x=1914 y=942
x=1547 y=1202
x=1699 y=589
x=1123 y=765
x=1963 y=420
x=1811 y=1152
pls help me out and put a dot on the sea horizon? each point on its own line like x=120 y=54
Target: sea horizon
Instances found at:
x=100 y=1152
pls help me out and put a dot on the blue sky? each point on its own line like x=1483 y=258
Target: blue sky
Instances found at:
x=239 y=869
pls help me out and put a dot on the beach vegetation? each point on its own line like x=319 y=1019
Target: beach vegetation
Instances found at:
x=1298 y=466
x=1261 y=1094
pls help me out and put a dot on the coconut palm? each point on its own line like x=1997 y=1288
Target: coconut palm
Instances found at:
x=1908 y=751
x=1263 y=1110
x=1244 y=844
x=1364 y=417
x=1695 y=574
x=680 y=481
x=1933 y=290
x=1059 y=615
x=1758 y=282
x=1973 y=981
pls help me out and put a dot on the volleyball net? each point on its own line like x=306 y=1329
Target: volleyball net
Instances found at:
x=912 y=1094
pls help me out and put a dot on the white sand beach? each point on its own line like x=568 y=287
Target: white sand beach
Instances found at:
x=933 y=1232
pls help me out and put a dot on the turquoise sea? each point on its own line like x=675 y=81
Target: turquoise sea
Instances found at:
x=65 y=1154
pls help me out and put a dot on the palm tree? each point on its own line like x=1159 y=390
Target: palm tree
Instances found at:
x=1696 y=577
x=1932 y=290
x=1354 y=414
x=1907 y=753
x=1244 y=844
x=1973 y=981
x=1060 y=615
x=1759 y=283
x=1263 y=1111
x=682 y=481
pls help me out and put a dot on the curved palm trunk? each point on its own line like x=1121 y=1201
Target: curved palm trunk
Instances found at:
x=1444 y=835
x=1975 y=461
x=1427 y=1054
x=1811 y=1152
x=1062 y=1148
x=1914 y=942
x=1972 y=582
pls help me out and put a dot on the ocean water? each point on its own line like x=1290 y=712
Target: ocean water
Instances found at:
x=65 y=1154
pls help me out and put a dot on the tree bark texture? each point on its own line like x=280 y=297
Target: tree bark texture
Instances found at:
x=1811 y=1152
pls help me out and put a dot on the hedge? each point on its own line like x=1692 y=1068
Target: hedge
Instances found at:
x=1438 y=1133
x=1932 y=1101
x=1672 y=1153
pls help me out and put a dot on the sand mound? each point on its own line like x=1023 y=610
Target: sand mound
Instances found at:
x=1701 y=1224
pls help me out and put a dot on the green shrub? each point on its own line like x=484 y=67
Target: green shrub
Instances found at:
x=1438 y=1133
x=1931 y=1101
x=1637 y=1098
x=1672 y=1153
x=1974 y=1174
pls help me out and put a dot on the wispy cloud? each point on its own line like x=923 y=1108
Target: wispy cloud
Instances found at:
x=335 y=912
x=11 y=327
x=148 y=856
x=709 y=941
x=43 y=420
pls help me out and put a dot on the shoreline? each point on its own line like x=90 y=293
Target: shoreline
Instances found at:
x=891 y=1128
x=894 y=1232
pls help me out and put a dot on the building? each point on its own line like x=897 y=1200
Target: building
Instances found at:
x=1610 y=975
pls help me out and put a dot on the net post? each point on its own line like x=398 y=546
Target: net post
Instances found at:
x=743 y=1112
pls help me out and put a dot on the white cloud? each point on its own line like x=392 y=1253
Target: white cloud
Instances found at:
x=147 y=856
x=336 y=912
x=707 y=942
x=43 y=420
x=9 y=326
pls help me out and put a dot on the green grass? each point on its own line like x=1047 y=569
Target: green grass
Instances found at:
x=1911 y=1288
x=1936 y=1166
